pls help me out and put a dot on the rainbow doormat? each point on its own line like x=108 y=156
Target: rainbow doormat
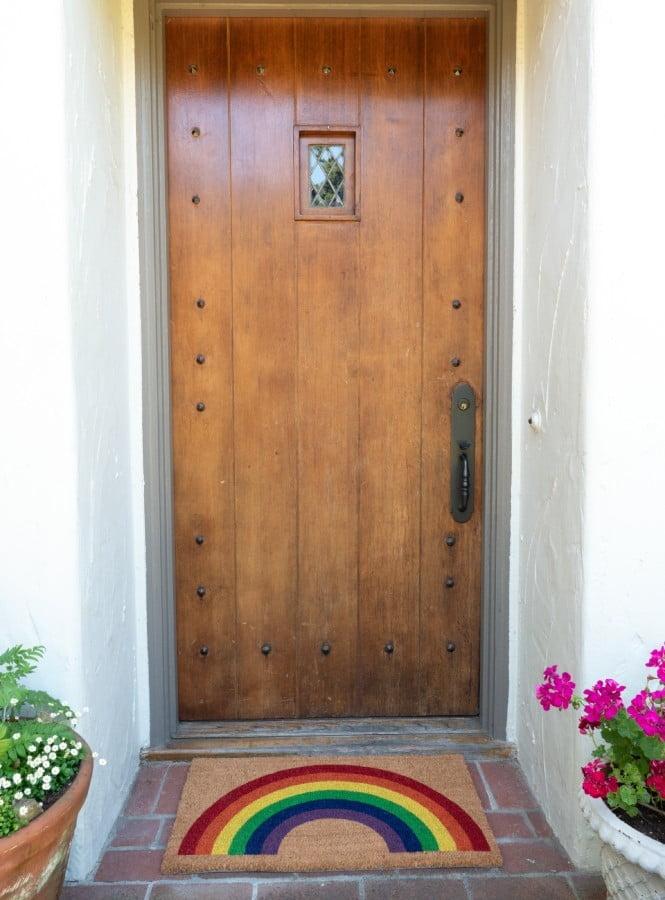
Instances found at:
x=290 y=814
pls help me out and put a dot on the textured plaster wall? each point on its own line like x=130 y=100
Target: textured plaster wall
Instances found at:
x=624 y=616
x=71 y=527
x=552 y=298
x=590 y=485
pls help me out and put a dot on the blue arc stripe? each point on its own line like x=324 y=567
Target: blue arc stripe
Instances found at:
x=409 y=839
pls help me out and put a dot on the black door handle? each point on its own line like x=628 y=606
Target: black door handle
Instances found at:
x=464 y=483
x=462 y=451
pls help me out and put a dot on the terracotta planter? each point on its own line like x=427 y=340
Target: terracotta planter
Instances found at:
x=33 y=860
x=632 y=864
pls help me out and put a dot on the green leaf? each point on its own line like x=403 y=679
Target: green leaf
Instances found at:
x=652 y=747
x=626 y=726
x=20 y=661
x=628 y=795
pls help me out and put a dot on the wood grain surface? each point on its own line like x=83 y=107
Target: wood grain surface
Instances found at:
x=318 y=473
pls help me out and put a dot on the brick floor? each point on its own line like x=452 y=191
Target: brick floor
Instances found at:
x=535 y=866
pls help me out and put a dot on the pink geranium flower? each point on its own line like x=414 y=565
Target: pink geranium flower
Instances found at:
x=645 y=710
x=657 y=661
x=603 y=708
x=556 y=690
x=656 y=777
x=597 y=780
x=603 y=701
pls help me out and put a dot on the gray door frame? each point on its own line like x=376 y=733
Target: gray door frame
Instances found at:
x=148 y=21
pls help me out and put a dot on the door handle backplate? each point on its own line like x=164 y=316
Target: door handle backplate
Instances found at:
x=462 y=451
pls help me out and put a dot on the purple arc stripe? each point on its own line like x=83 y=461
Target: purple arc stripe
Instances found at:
x=274 y=839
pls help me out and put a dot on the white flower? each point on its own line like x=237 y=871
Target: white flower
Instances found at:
x=50 y=741
x=13 y=701
x=32 y=748
x=102 y=762
x=16 y=778
x=39 y=740
x=27 y=792
x=62 y=745
x=69 y=714
x=52 y=756
x=23 y=810
x=55 y=770
x=39 y=772
x=78 y=745
x=18 y=795
x=74 y=751
x=46 y=764
x=54 y=715
x=17 y=736
x=95 y=754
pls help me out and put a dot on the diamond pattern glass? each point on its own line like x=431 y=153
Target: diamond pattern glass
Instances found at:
x=326 y=175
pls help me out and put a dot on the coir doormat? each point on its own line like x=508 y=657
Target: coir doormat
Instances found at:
x=289 y=814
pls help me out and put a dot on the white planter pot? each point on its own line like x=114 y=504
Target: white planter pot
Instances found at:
x=633 y=865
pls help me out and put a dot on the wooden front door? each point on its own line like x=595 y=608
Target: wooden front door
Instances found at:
x=326 y=203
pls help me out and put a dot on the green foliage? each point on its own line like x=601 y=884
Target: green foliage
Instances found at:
x=16 y=663
x=629 y=752
x=19 y=662
x=40 y=753
x=9 y=821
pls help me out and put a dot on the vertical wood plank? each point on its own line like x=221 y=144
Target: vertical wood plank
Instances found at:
x=327 y=99
x=265 y=353
x=453 y=269
x=199 y=266
x=327 y=272
x=390 y=367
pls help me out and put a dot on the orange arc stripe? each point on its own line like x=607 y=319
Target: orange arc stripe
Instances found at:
x=457 y=832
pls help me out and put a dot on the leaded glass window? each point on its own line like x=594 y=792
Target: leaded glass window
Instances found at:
x=326 y=175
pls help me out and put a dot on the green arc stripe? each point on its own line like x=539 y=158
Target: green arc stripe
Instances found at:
x=422 y=831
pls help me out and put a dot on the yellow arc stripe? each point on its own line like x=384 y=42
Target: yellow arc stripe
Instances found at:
x=440 y=832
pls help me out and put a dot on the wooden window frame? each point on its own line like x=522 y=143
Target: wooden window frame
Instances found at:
x=303 y=137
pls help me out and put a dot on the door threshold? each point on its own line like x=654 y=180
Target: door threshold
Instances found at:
x=360 y=737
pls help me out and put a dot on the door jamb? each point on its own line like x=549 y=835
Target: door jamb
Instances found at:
x=148 y=33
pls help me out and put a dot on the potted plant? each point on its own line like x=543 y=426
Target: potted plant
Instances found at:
x=45 y=771
x=623 y=785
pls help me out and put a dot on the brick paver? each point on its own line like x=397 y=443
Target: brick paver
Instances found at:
x=535 y=866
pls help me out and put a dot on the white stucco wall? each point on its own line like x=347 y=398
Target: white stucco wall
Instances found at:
x=553 y=248
x=71 y=521
x=624 y=560
x=589 y=486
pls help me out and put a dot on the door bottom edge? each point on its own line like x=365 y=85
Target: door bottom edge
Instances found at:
x=462 y=735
